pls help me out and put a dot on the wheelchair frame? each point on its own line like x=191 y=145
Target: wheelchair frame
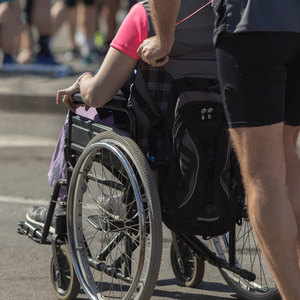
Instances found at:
x=81 y=131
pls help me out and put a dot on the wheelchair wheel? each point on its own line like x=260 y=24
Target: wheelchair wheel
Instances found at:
x=188 y=269
x=114 y=220
x=70 y=286
x=249 y=257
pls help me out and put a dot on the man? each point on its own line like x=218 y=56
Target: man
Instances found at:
x=258 y=52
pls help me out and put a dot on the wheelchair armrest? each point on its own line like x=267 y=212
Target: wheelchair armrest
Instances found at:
x=118 y=102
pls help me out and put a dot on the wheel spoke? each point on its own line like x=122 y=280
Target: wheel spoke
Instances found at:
x=248 y=257
x=115 y=235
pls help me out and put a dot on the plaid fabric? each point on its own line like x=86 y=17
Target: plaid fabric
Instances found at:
x=159 y=84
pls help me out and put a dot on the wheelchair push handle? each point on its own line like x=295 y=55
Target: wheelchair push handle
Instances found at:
x=77 y=99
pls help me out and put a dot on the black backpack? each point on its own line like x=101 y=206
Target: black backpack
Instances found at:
x=200 y=184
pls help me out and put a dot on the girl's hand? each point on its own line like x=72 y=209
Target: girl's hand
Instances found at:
x=65 y=96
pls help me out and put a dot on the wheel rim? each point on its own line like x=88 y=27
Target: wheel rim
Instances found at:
x=187 y=261
x=115 y=274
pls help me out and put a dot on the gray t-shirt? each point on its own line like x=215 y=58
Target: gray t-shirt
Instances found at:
x=193 y=36
x=193 y=52
x=235 y=16
x=193 y=49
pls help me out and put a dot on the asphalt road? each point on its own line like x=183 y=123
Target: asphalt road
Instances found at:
x=27 y=142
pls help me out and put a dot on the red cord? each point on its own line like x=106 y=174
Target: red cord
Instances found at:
x=194 y=13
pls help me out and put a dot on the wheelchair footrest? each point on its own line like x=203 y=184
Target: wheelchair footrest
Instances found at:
x=33 y=231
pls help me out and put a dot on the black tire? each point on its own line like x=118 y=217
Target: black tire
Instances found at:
x=114 y=220
x=70 y=284
x=192 y=271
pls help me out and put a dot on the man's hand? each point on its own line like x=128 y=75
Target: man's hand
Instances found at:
x=153 y=53
x=155 y=50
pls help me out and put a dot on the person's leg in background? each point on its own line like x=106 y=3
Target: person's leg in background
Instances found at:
x=37 y=14
x=66 y=12
x=88 y=25
x=72 y=26
x=10 y=30
x=81 y=18
x=42 y=20
x=108 y=21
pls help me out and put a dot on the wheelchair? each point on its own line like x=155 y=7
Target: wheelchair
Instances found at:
x=109 y=241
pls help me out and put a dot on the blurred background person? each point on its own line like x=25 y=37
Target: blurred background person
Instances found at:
x=36 y=38
x=10 y=30
x=78 y=16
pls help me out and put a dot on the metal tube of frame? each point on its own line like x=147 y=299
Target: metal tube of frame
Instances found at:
x=232 y=256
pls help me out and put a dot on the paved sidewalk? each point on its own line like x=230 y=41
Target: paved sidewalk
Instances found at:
x=35 y=92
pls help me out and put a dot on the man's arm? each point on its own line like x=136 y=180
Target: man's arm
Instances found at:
x=164 y=14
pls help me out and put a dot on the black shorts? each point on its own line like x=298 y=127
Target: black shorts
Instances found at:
x=29 y=6
x=73 y=2
x=260 y=78
x=27 y=11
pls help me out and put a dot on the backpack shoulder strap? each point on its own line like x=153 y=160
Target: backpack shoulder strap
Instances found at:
x=145 y=102
x=139 y=90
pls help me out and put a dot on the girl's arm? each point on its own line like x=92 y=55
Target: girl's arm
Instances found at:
x=96 y=91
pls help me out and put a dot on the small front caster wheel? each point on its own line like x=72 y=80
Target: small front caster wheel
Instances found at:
x=189 y=270
x=69 y=286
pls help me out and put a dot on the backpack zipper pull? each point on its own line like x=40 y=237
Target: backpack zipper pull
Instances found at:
x=209 y=111
x=203 y=111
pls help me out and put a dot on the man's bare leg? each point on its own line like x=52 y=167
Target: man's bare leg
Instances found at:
x=262 y=156
x=290 y=136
